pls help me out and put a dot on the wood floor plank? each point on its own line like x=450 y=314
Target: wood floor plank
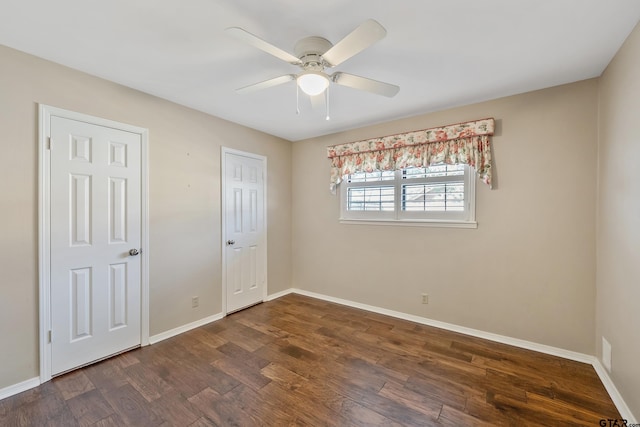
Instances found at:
x=150 y=385
x=452 y=417
x=485 y=410
x=245 y=337
x=74 y=384
x=302 y=408
x=266 y=411
x=176 y=409
x=206 y=337
x=241 y=372
x=566 y=411
x=127 y=359
x=239 y=354
x=274 y=353
x=302 y=361
x=132 y=408
x=38 y=405
x=113 y=420
x=89 y=408
x=287 y=379
x=219 y=380
x=388 y=408
x=220 y=411
x=366 y=350
x=360 y=415
x=453 y=397
x=453 y=391
x=201 y=352
x=333 y=319
x=63 y=418
x=327 y=397
x=361 y=367
x=105 y=375
x=303 y=347
x=202 y=422
x=266 y=329
x=428 y=406
x=183 y=378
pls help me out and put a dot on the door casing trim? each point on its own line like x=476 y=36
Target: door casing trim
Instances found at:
x=44 y=224
x=223 y=188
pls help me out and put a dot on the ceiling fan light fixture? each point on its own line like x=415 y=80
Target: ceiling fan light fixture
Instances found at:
x=313 y=82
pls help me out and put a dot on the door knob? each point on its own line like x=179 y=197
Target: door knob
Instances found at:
x=133 y=252
x=231 y=242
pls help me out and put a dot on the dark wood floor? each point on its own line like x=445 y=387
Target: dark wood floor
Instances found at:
x=302 y=361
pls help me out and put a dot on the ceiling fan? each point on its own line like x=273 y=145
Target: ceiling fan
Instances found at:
x=315 y=54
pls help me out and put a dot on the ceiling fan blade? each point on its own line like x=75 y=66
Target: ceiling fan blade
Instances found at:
x=256 y=41
x=365 y=35
x=363 y=83
x=267 y=83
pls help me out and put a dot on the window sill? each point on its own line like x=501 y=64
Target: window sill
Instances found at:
x=412 y=223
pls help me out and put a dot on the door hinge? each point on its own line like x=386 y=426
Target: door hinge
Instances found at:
x=50 y=335
x=48 y=143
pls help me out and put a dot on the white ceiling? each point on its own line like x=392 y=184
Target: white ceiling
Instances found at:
x=441 y=53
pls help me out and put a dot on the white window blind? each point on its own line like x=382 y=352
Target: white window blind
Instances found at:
x=440 y=193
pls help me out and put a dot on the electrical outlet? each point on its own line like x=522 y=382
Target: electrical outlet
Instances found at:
x=425 y=298
x=195 y=302
x=606 y=354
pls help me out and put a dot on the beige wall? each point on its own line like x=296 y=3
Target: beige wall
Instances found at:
x=618 y=237
x=185 y=232
x=527 y=271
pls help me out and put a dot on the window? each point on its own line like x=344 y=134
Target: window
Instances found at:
x=440 y=194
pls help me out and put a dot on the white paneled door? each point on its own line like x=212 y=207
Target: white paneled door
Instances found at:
x=245 y=236
x=95 y=284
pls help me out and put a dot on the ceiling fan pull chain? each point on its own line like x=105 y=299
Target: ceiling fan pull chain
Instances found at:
x=297 y=100
x=326 y=102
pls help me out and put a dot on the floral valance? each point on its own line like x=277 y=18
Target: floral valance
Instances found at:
x=466 y=143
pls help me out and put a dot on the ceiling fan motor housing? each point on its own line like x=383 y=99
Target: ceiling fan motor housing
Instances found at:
x=310 y=51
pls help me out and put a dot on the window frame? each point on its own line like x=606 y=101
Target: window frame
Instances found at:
x=460 y=219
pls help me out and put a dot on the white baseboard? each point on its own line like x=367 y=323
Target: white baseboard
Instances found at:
x=624 y=410
x=278 y=294
x=19 y=388
x=615 y=395
x=184 y=328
